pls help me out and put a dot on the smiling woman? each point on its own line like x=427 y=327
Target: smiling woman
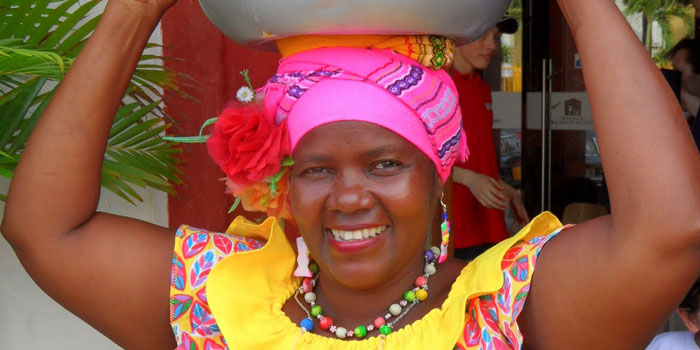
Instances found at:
x=373 y=126
x=354 y=176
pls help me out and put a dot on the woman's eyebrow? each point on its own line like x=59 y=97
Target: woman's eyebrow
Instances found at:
x=382 y=150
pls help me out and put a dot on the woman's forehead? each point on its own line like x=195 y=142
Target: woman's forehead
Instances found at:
x=351 y=137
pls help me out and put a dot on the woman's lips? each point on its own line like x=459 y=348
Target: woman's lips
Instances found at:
x=346 y=241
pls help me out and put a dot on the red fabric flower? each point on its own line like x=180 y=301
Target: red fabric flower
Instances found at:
x=246 y=146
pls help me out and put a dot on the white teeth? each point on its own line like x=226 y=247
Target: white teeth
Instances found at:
x=358 y=235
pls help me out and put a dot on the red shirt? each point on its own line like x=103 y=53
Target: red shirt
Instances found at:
x=474 y=224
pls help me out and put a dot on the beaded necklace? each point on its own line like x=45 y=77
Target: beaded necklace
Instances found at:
x=384 y=324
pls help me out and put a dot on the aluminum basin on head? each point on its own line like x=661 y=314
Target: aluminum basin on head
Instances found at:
x=257 y=23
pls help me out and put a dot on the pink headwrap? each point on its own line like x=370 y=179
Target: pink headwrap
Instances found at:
x=381 y=87
x=252 y=143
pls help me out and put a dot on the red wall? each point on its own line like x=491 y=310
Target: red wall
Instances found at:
x=211 y=64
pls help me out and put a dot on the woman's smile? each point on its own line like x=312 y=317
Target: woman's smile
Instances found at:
x=347 y=241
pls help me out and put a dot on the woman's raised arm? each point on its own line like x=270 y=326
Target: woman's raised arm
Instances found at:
x=611 y=282
x=113 y=272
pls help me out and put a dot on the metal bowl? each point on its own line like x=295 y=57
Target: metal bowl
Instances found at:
x=257 y=23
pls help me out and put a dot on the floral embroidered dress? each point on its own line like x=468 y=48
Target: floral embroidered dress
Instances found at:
x=228 y=290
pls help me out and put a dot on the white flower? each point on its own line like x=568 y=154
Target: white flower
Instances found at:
x=245 y=94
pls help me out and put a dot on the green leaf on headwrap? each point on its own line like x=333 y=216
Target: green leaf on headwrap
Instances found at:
x=287 y=162
x=207 y=123
x=235 y=205
x=245 y=75
x=187 y=139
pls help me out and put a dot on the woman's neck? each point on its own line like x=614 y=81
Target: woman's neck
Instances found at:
x=350 y=308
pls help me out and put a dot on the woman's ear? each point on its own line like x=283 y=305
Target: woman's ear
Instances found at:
x=690 y=320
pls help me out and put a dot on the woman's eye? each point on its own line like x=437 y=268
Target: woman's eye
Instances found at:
x=315 y=171
x=388 y=165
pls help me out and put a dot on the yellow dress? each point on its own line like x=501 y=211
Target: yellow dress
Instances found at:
x=228 y=290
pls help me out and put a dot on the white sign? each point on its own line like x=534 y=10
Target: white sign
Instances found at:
x=568 y=111
x=507 y=110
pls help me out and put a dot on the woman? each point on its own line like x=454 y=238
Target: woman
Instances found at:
x=606 y=284
x=480 y=196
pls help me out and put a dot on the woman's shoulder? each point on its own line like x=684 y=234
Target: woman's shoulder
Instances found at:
x=505 y=273
x=191 y=241
x=196 y=253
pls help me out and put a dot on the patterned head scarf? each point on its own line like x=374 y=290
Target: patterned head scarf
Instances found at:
x=397 y=80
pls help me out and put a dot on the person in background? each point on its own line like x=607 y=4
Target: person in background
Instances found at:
x=479 y=196
x=685 y=57
x=689 y=312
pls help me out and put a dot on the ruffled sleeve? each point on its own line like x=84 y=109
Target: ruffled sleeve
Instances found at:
x=491 y=319
x=195 y=254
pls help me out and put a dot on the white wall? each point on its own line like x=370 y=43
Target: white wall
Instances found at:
x=29 y=319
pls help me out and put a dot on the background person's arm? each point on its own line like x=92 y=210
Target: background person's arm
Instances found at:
x=112 y=272
x=611 y=282
x=488 y=191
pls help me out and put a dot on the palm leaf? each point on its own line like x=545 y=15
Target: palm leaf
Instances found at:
x=133 y=155
x=38 y=42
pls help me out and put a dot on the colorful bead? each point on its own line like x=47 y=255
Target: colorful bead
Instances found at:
x=395 y=309
x=307 y=324
x=409 y=296
x=360 y=331
x=435 y=250
x=341 y=332
x=421 y=294
x=310 y=297
x=430 y=269
x=307 y=285
x=326 y=323
x=316 y=310
x=313 y=267
x=412 y=296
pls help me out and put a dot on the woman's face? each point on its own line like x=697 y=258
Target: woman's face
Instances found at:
x=363 y=198
x=480 y=53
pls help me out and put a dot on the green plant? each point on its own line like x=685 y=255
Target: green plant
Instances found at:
x=38 y=42
x=661 y=12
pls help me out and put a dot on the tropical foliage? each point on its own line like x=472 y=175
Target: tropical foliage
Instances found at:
x=661 y=12
x=38 y=42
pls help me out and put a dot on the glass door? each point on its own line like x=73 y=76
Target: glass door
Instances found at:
x=561 y=168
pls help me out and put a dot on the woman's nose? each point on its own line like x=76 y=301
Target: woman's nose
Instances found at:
x=350 y=193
